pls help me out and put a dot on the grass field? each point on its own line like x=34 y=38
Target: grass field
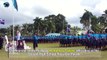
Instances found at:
x=23 y=56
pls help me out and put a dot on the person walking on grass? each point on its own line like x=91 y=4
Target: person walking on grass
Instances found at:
x=35 y=41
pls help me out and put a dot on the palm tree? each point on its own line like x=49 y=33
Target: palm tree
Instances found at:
x=102 y=23
x=30 y=29
x=16 y=27
x=37 y=23
x=105 y=11
x=49 y=22
x=95 y=24
x=86 y=19
x=10 y=30
x=24 y=30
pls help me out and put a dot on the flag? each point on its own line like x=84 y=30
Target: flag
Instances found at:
x=15 y=4
x=2 y=21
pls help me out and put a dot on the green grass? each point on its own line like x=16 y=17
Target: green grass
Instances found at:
x=45 y=45
x=22 y=56
x=3 y=55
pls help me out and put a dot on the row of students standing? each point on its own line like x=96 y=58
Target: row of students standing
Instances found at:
x=88 y=40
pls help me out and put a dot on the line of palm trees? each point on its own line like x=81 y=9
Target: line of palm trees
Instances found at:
x=91 y=22
x=58 y=24
x=48 y=24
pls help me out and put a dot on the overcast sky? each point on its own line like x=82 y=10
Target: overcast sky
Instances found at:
x=29 y=9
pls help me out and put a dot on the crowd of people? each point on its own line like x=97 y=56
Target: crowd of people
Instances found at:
x=90 y=40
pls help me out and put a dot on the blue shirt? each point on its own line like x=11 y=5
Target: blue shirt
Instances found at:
x=97 y=36
x=35 y=38
x=103 y=36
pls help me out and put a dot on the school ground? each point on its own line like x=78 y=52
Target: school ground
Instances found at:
x=24 y=56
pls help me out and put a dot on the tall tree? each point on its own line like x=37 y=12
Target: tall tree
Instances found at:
x=57 y=23
x=3 y=30
x=105 y=11
x=61 y=23
x=50 y=23
x=86 y=19
x=30 y=29
x=94 y=24
x=102 y=22
x=24 y=30
x=10 y=30
x=37 y=24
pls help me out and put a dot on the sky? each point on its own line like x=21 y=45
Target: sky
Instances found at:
x=29 y=9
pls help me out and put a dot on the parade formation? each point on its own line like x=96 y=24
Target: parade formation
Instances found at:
x=90 y=40
x=53 y=29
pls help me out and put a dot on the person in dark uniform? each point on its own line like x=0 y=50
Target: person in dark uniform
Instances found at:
x=19 y=42
x=105 y=30
x=1 y=42
x=35 y=41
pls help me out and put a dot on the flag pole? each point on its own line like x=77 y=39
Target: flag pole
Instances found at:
x=16 y=7
x=13 y=34
x=6 y=4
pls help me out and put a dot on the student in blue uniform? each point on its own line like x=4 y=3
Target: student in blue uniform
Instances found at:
x=103 y=39
x=35 y=42
x=94 y=41
x=75 y=40
x=80 y=39
x=87 y=42
x=83 y=39
x=70 y=38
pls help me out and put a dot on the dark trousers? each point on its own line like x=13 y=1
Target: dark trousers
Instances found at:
x=35 y=44
x=20 y=45
x=1 y=43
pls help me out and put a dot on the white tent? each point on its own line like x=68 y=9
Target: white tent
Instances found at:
x=53 y=34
